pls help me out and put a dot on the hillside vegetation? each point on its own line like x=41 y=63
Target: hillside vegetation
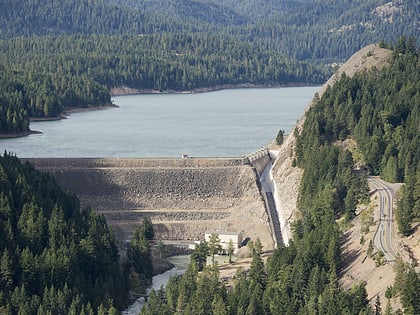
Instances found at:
x=43 y=76
x=305 y=29
x=380 y=111
x=60 y=54
x=55 y=257
x=58 y=258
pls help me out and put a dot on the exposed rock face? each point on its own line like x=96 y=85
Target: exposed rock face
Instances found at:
x=286 y=177
x=184 y=197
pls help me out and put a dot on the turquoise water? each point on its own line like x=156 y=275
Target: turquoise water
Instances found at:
x=227 y=123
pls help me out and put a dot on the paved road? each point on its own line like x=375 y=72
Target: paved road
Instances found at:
x=383 y=236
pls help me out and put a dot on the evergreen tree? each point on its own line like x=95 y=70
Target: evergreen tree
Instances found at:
x=230 y=250
x=199 y=255
x=46 y=266
x=410 y=293
x=140 y=253
x=147 y=229
x=378 y=309
x=280 y=137
x=214 y=246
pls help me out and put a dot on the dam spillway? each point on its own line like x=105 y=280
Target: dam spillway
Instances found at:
x=183 y=197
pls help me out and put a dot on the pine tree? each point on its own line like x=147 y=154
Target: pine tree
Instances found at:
x=199 y=255
x=280 y=137
x=370 y=249
x=230 y=250
x=147 y=228
x=214 y=246
x=410 y=293
x=378 y=310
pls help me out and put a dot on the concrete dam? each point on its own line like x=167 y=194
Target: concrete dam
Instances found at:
x=183 y=197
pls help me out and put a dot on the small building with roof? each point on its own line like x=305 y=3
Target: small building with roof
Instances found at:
x=225 y=237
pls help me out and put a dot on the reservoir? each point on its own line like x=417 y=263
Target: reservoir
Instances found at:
x=226 y=123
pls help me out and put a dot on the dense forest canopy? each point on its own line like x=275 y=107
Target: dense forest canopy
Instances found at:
x=60 y=54
x=59 y=258
x=55 y=257
x=42 y=76
x=315 y=30
x=380 y=110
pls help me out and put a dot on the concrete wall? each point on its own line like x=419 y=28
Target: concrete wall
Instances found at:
x=259 y=160
x=183 y=197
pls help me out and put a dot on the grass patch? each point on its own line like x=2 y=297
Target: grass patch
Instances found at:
x=366 y=219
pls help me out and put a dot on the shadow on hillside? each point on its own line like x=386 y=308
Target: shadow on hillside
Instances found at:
x=349 y=256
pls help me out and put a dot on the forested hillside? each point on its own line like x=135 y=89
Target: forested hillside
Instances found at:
x=303 y=277
x=42 y=76
x=60 y=54
x=328 y=31
x=381 y=112
x=55 y=257
x=40 y=17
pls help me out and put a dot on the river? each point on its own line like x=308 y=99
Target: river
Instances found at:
x=180 y=263
x=226 y=123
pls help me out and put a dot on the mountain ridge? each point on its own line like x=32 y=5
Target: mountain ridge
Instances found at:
x=306 y=30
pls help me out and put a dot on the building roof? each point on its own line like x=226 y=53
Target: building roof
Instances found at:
x=223 y=233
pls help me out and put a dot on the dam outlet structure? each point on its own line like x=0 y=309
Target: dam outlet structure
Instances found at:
x=183 y=197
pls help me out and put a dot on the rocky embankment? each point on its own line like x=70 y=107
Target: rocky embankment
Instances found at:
x=183 y=197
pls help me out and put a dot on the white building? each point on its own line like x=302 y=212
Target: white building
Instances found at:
x=225 y=237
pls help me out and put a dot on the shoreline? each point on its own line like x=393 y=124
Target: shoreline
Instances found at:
x=74 y=110
x=19 y=134
x=64 y=115
x=125 y=90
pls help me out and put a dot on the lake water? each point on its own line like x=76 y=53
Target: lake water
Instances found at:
x=226 y=123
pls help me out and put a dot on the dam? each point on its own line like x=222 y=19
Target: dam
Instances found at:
x=184 y=197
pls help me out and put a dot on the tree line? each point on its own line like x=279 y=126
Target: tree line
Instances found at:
x=54 y=251
x=380 y=111
x=42 y=76
x=173 y=45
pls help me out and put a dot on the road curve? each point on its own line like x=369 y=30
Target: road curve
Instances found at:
x=383 y=236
